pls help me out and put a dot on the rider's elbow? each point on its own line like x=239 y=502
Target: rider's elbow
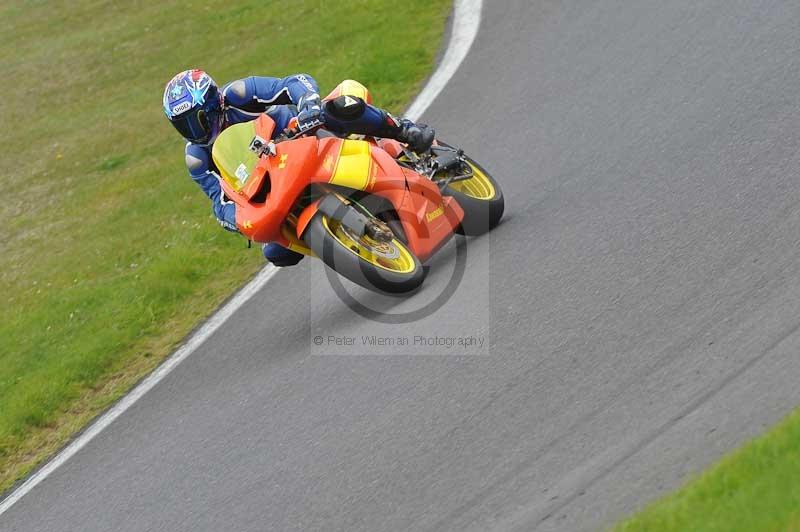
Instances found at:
x=307 y=81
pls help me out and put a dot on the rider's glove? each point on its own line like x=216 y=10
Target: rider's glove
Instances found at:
x=419 y=137
x=310 y=111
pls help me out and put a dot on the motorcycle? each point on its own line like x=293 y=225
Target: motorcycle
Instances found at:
x=371 y=209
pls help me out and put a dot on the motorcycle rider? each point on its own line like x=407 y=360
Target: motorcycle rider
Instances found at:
x=199 y=110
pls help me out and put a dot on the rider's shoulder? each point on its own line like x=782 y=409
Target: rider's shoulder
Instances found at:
x=244 y=88
x=235 y=89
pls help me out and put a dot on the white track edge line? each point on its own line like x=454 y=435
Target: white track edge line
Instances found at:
x=466 y=21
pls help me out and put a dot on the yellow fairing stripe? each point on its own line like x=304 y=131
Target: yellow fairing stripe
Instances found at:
x=352 y=165
x=350 y=87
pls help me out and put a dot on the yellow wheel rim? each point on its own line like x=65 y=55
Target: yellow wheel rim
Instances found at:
x=392 y=256
x=478 y=186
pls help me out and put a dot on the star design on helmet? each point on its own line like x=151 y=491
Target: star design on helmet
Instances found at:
x=176 y=91
x=198 y=91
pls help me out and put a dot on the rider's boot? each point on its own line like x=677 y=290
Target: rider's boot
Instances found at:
x=280 y=256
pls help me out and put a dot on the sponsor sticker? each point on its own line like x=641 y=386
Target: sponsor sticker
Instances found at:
x=304 y=81
x=242 y=173
x=435 y=213
x=181 y=108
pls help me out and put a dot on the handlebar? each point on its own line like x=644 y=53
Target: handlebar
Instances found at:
x=293 y=133
x=264 y=147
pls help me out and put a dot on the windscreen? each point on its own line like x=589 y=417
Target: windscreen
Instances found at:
x=232 y=156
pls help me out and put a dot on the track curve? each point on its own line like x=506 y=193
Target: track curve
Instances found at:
x=639 y=306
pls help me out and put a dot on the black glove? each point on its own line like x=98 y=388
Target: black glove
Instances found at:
x=419 y=137
x=310 y=111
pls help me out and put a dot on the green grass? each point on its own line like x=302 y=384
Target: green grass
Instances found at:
x=109 y=253
x=755 y=488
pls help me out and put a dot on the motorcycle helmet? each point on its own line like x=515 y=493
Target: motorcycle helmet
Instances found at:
x=193 y=104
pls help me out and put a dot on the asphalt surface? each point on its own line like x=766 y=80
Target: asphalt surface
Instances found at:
x=640 y=307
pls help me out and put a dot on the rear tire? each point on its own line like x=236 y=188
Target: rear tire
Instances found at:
x=481 y=199
x=384 y=267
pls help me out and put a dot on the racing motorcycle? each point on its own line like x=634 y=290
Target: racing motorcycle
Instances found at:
x=371 y=209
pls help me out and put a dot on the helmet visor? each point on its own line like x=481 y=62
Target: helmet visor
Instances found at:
x=194 y=126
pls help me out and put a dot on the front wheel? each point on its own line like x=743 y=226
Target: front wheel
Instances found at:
x=382 y=266
x=480 y=197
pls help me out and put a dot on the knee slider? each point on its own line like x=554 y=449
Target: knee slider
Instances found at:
x=345 y=107
x=281 y=256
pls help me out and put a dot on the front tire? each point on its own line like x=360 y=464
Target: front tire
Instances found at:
x=379 y=266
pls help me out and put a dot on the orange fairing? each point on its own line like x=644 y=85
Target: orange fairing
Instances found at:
x=305 y=217
x=428 y=219
x=392 y=147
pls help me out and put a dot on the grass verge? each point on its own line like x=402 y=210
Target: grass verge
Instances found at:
x=753 y=488
x=109 y=254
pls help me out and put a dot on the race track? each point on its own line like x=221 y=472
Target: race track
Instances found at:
x=640 y=307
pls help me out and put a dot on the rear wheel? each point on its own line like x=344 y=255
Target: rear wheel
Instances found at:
x=480 y=197
x=383 y=266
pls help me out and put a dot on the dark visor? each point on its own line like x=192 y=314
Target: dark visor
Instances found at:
x=193 y=125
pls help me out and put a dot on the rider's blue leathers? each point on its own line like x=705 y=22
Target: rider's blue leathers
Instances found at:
x=244 y=100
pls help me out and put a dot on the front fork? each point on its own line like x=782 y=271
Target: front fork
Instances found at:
x=338 y=207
